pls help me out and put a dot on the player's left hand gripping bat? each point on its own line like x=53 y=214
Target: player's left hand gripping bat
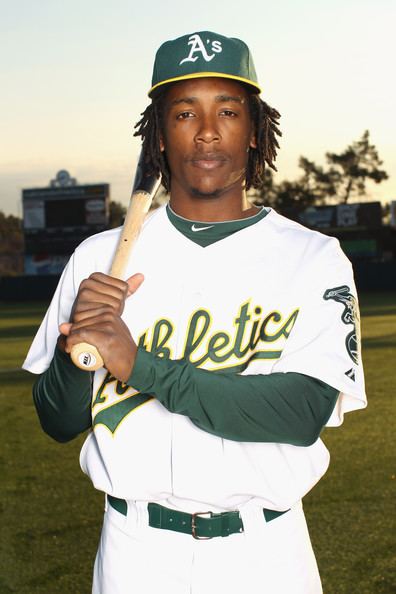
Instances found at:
x=84 y=355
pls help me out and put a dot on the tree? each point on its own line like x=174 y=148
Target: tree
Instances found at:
x=350 y=169
x=317 y=183
x=11 y=236
x=345 y=176
x=11 y=245
x=293 y=194
x=299 y=194
x=267 y=192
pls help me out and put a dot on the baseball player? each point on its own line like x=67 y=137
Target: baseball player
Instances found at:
x=232 y=343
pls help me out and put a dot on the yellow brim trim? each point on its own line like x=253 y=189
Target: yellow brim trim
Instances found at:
x=204 y=75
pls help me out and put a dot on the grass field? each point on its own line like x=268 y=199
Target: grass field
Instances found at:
x=51 y=515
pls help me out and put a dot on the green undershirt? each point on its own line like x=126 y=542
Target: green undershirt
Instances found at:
x=207 y=233
x=280 y=407
x=62 y=396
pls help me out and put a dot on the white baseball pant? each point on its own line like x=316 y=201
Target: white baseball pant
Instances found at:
x=267 y=558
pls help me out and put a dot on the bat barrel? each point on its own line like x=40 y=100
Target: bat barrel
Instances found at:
x=86 y=356
x=137 y=211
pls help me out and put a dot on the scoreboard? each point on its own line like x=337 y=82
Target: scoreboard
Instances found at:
x=359 y=215
x=59 y=217
x=358 y=226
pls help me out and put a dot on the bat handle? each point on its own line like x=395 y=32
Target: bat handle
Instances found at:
x=86 y=357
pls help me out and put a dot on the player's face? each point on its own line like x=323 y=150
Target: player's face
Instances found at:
x=207 y=132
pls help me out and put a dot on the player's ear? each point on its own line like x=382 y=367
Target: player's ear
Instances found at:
x=253 y=140
x=161 y=143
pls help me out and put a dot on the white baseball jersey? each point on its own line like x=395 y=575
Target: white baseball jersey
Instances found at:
x=273 y=297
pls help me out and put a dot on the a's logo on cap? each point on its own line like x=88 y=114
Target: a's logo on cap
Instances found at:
x=198 y=47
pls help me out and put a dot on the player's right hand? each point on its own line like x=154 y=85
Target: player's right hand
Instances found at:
x=96 y=319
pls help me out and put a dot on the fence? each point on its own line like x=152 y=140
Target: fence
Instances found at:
x=369 y=276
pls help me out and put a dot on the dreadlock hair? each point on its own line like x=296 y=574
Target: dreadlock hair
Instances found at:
x=265 y=121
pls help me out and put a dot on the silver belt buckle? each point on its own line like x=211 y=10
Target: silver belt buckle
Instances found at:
x=194 y=526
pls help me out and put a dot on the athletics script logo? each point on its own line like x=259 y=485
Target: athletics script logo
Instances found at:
x=350 y=315
x=198 y=47
x=255 y=335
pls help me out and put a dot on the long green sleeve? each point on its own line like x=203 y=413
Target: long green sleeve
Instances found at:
x=62 y=396
x=281 y=407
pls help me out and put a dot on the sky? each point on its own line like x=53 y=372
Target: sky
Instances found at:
x=74 y=76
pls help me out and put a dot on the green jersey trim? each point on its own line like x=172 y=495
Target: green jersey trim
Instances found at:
x=206 y=233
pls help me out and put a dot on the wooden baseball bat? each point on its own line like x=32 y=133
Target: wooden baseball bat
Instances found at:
x=85 y=355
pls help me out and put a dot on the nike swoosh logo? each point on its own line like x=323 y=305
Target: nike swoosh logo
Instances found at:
x=194 y=228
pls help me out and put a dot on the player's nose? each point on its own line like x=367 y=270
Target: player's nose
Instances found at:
x=207 y=130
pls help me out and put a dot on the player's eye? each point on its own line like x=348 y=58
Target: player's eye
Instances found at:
x=184 y=115
x=229 y=113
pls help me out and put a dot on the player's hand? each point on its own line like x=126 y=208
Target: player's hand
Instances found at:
x=96 y=319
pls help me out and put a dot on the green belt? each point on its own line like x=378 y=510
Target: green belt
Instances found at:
x=201 y=525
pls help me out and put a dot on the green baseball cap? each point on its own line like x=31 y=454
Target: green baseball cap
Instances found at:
x=203 y=54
